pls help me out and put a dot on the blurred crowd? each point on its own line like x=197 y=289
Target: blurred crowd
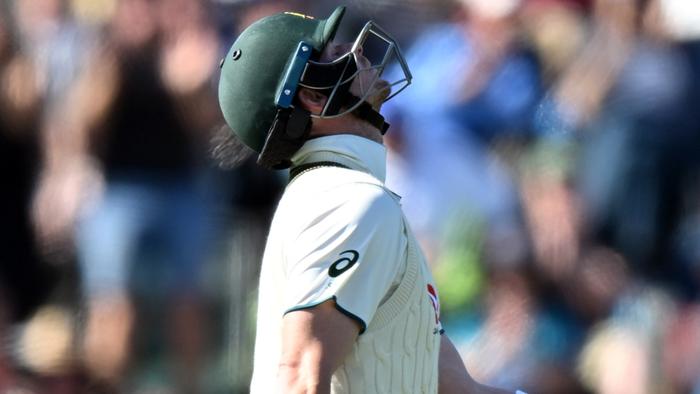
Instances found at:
x=547 y=155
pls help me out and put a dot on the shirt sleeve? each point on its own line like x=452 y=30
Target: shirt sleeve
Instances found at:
x=349 y=250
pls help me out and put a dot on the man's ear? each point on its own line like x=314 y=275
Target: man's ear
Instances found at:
x=312 y=100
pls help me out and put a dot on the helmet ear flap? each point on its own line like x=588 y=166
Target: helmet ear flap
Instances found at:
x=292 y=123
x=288 y=133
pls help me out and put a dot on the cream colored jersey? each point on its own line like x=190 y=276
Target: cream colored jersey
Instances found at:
x=339 y=233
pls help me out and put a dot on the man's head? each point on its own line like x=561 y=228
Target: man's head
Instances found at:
x=285 y=69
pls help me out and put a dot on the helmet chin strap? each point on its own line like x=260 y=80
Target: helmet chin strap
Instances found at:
x=366 y=112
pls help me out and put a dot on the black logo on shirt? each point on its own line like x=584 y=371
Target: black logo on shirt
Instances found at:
x=344 y=263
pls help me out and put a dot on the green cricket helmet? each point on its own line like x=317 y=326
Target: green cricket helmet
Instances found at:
x=280 y=53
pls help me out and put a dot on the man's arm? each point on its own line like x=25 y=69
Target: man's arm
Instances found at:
x=315 y=341
x=453 y=376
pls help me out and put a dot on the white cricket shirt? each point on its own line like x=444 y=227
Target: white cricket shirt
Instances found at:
x=337 y=233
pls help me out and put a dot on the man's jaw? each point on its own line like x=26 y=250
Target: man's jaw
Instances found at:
x=380 y=91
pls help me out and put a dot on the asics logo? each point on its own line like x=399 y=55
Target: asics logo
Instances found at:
x=344 y=263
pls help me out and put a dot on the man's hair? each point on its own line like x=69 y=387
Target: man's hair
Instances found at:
x=227 y=150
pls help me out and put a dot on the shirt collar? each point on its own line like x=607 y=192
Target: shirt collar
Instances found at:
x=353 y=151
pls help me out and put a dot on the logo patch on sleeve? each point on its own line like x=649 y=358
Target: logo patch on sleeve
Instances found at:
x=344 y=263
x=435 y=301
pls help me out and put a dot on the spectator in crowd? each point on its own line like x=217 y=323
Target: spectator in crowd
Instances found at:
x=136 y=123
x=474 y=82
x=646 y=134
x=25 y=278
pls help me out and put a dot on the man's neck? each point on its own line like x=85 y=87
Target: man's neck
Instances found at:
x=346 y=124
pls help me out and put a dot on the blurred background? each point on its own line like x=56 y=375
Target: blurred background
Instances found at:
x=547 y=152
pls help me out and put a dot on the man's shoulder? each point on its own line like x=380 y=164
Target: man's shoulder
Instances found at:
x=324 y=190
x=333 y=176
x=336 y=182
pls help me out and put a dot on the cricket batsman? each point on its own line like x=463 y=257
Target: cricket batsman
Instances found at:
x=347 y=303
